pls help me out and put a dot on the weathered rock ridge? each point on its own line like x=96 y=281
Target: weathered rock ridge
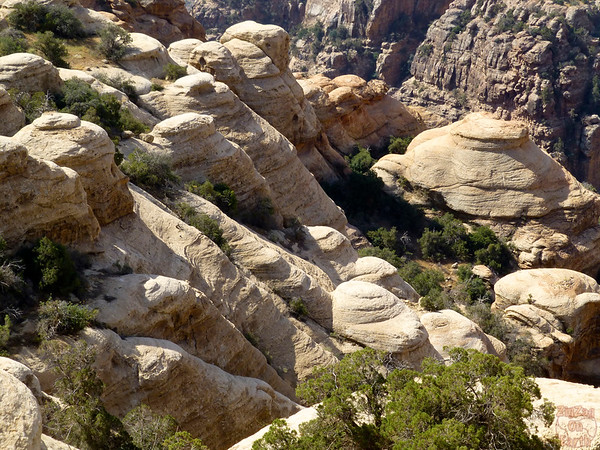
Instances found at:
x=489 y=171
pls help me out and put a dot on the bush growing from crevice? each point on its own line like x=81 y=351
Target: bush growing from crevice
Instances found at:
x=174 y=71
x=202 y=222
x=474 y=288
x=219 y=195
x=150 y=171
x=398 y=145
x=33 y=104
x=59 y=317
x=80 y=419
x=261 y=215
x=5 y=334
x=113 y=42
x=298 y=308
x=50 y=266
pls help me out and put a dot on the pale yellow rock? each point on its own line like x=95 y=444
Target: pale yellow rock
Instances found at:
x=448 y=329
x=49 y=443
x=22 y=373
x=382 y=273
x=206 y=401
x=39 y=198
x=216 y=59
x=490 y=170
x=28 y=73
x=181 y=50
x=20 y=416
x=145 y=56
x=373 y=316
x=116 y=75
x=273 y=155
x=154 y=241
x=13 y=117
x=86 y=148
x=163 y=308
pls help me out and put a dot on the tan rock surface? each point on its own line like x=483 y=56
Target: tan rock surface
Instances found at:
x=491 y=171
x=154 y=241
x=382 y=273
x=19 y=415
x=13 y=117
x=86 y=148
x=448 y=329
x=181 y=50
x=572 y=300
x=273 y=155
x=352 y=110
x=165 y=308
x=22 y=373
x=49 y=443
x=145 y=56
x=372 y=316
x=197 y=151
x=28 y=73
x=39 y=198
x=217 y=407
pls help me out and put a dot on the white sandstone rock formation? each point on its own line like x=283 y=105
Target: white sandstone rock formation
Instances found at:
x=489 y=170
x=13 y=117
x=86 y=148
x=39 y=198
x=28 y=73
x=145 y=56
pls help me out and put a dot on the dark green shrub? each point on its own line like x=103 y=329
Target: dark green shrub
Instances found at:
x=61 y=317
x=475 y=289
x=182 y=440
x=12 y=41
x=51 y=267
x=147 y=429
x=150 y=171
x=219 y=194
x=33 y=104
x=33 y=16
x=433 y=245
x=398 y=145
x=174 y=71
x=487 y=249
x=422 y=280
x=449 y=239
x=81 y=420
x=436 y=300
x=384 y=238
x=113 y=42
x=362 y=161
x=298 y=307
x=262 y=215
x=202 y=222
x=128 y=122
x=5 y=333
x=52 y=48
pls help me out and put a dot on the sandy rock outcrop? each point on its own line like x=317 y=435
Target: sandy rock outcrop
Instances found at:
x=448 y=329
x=181 y=50
x=168 y=21
x=14 y=118
x=39 y=198
x=28 y=73
x=20 y=415
x=198 y=152
x=86 y=148
x=353 y=110
x=217 y=407
x=253 y=60
x=372 y=316
x=562 y=308
x=165 y=308
x=145 y=56
x=22 y=373
x=274 y=157
x=490 y=171
x=154 y=241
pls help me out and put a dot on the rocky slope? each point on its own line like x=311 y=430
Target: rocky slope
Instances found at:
x=532 y=61
x=214 y=336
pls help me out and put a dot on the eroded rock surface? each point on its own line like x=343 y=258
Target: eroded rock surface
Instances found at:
x=28 y=73
x=39 y=198
x=490 y=171
x=562 y=308
x=86 y=148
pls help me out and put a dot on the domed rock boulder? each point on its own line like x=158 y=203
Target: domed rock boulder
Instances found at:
x=145 y=56
x=13 y=117
x=489 y=171
x=28 y=73
x=86 y=148
x=39 y=198
x=562 y=307
x=372 y=316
